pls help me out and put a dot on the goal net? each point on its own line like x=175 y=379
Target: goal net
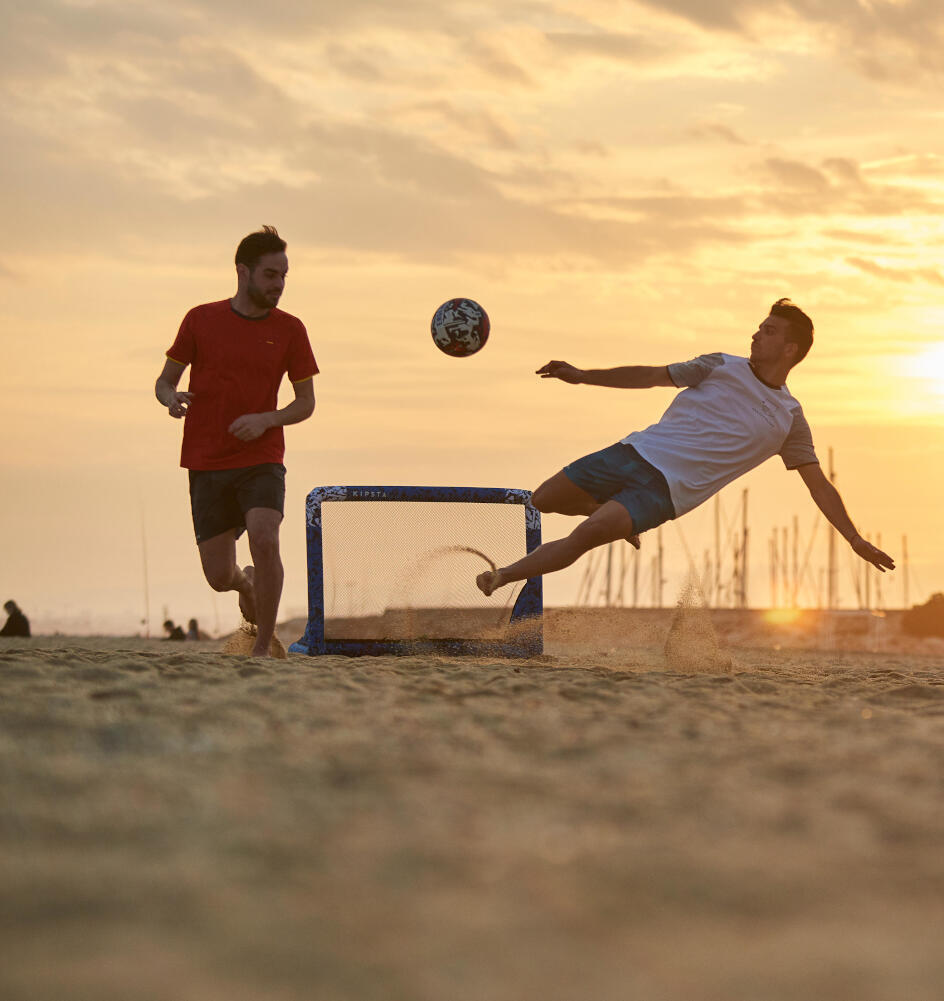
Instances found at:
x=391 y=570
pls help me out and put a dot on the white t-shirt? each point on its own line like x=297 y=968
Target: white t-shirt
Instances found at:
x=724 y=424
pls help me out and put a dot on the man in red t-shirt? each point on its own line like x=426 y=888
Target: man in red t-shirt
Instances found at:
x=233 y=446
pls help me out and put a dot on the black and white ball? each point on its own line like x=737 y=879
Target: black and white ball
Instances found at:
x=460 y=327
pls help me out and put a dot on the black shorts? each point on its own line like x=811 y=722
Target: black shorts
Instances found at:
x=220 y=498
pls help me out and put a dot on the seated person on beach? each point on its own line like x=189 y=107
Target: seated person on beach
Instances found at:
x=194 y=632
x=17 y=623
x=733 y=413
x=173 y=632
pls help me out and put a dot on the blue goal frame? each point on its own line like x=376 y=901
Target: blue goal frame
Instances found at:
x=528 y=606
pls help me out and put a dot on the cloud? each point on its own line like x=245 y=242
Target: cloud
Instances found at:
x=714 y=131
x=372 y=189
x=897 y=274
x=183 y=115
x=616 y=46
x=382 y=134
x=857 y=236
x=426 y=202
x=44 y=35
x=845 y=170
x=882 y=39
x=360 y=63
x=678 y=208
x=591 y=148
x=727 y=15
x=796 y=176
x=838 y=186
x=462 y=123
x=908 y=165
x=322 y=18
x=498 y=63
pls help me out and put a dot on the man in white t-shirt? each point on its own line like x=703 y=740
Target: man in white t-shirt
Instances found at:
x=732 y=415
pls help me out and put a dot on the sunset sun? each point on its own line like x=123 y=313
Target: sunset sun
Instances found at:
x=930 y=364
x=928 y=367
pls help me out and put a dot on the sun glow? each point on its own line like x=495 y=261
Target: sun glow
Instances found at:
x=928 y=364
x=782 y=616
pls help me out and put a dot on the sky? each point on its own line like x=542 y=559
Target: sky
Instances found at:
x=616 y=183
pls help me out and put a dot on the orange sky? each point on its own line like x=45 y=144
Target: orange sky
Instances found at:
x=616 y=183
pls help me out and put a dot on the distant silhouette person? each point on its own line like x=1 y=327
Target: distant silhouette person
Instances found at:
x=17 y=624
x=194 y=632
x=174 y=632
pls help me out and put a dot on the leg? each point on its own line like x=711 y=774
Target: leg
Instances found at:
x=611 y=521
x=262 y=526
x=218 y=556
x=560 y=495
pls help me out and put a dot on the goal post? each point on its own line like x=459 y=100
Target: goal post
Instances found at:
x=391 y=570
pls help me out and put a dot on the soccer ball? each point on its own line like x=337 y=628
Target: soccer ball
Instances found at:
x=460 y=327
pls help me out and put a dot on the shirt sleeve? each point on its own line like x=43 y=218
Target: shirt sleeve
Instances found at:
x=798 y=448
x=301 y=360
x=182 y=350
x=691 y=373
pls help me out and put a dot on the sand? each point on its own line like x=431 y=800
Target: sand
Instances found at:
x=243 y=641
x=178 y=823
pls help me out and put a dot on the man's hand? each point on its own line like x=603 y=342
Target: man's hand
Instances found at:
x=560 y=370
x=830 y=503
x=250 y=426
x=871 y=554
x=179 y=404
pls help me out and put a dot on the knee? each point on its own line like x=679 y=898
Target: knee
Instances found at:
x=560 y=495
x=264 y=545
x=542 y=499
x=219 y=579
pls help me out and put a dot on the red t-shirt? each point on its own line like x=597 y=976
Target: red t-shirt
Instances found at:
x=236 y=367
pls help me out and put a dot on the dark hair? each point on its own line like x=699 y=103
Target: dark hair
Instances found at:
x=800 y=331
x=256 y=245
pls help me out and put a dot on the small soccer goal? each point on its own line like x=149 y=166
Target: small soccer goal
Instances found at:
x=391 y=570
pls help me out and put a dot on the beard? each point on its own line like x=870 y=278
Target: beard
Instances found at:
x=260 y=299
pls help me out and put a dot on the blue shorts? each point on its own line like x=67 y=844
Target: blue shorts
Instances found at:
x=620 y=473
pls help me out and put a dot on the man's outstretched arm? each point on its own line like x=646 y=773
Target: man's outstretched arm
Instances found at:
x=830 y=503
x=624 y=377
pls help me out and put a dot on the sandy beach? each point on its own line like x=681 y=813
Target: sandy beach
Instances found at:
x=598 y=823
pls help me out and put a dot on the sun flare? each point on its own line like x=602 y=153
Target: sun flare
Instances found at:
x=928 y=365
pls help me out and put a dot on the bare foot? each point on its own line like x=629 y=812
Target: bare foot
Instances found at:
x=247 y=597
x=274 y=649
x=489 y=581
x=633 y=540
